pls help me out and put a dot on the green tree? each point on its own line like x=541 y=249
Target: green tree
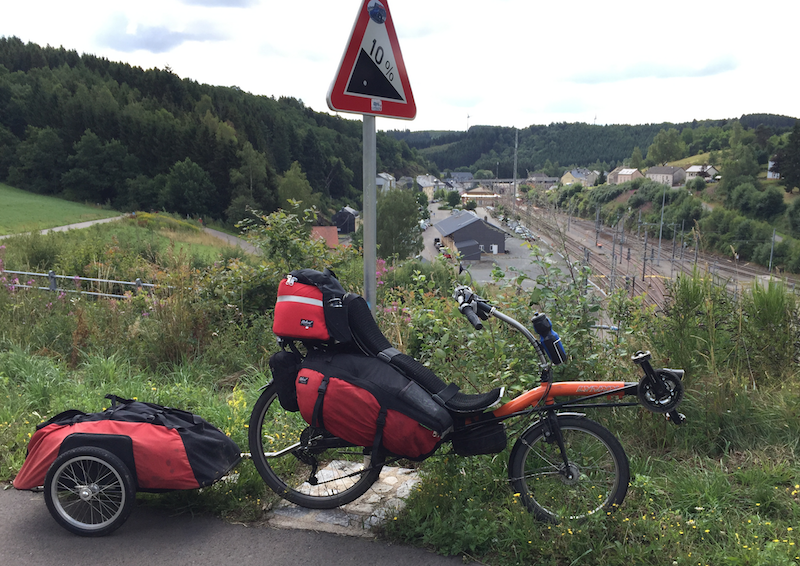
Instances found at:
x=788 y=160
x=187 y=189
x=453 y=198
x=667 y=146
x=637 y=161
x=41 y=160
x=740 y=166
x=295 y=186
x=793 y=215
x=97 y=170
x=398 y=232
x=284 y=238
x=254 y=179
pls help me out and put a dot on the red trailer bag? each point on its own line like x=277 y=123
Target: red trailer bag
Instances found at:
x=163 y=448
x=366 y=402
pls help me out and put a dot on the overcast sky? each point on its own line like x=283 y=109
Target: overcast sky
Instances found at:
x=469 y=62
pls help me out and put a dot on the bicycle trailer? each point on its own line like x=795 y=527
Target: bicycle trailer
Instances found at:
x=92 y=464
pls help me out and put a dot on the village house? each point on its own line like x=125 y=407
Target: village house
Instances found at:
x=470 y=236
x=385 y=182
x=481 y=195
x=345 y=220
x=623 y=175
x=667 y=175
x=579 y=175
x=541 y=180
x=707 y=172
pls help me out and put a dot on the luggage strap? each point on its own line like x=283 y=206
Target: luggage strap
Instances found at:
x=316 y=415
x=446 y=394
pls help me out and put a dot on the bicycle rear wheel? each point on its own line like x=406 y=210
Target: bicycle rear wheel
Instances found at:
x=302 y=464
x=596 y=478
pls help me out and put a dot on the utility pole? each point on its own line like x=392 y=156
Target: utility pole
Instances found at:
x=661 y=228
x=596 y=227
x=771 y=249
x=644 y=258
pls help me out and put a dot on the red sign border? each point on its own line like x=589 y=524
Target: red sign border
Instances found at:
x=339 y=101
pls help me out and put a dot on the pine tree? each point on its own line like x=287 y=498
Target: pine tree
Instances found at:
x=789 y=160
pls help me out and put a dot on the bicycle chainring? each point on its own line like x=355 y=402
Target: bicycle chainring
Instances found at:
x=661 y=397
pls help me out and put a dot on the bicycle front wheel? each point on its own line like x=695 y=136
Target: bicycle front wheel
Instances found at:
x=302 y=464
x=594 y=477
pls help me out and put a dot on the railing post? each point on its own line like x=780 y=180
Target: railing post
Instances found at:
x=138 y=284
x=51 y=276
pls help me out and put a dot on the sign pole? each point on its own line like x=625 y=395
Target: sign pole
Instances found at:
x=372 y=81
x=370 y=210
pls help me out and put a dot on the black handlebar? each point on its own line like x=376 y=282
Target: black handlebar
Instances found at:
x=467 y=311
x=468 y=302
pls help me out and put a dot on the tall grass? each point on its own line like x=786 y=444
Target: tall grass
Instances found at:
x=724 y=488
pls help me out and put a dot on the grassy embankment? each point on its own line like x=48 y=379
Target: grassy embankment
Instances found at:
x=722 y=489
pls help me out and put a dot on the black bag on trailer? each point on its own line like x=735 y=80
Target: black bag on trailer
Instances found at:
x=164 y=448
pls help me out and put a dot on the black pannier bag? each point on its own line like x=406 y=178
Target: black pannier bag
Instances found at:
x=163 y=448
x=310 y=308
x=368 y=403
x=285 y=365
x=489 y=438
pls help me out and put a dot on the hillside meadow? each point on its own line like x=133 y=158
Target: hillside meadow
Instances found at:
x=23 y=211
x=724 y=488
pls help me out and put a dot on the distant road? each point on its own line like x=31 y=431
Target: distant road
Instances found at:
x=228 y=238
x=73 y=226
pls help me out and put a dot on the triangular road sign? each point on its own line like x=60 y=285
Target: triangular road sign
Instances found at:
x=372 y=77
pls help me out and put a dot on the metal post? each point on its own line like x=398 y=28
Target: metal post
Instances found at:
x=51 y=276
x=644 y=257
x=596 y=227
x=516 y=143
x=661 y=228
x=370 y=210
x=771 y=249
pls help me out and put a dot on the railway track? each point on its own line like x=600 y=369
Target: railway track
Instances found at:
x=621 y=259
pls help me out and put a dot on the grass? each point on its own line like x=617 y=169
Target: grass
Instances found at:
x=699 y=159
x=724 y=488
x=25 y=212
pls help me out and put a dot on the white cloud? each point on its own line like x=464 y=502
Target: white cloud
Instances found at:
x=507 y=62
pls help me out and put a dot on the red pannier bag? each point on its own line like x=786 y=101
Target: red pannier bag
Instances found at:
x=366 y=402
x=310 y=308
x=162 y=447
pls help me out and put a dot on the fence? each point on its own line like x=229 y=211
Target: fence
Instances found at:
x=53 y=286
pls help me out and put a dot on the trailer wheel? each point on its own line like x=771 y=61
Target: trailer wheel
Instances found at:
x=89 y=491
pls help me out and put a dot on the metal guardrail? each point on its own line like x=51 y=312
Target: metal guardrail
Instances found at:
x=53 y=286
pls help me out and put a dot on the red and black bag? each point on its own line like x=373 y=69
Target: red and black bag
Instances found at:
x=366 y=402
x=310 y=308
x=163 y=448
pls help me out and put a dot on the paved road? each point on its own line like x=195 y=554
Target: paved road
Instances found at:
x=30 y=537
x=518 y=257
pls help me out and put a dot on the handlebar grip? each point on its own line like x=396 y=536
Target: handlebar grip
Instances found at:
x=472 y=317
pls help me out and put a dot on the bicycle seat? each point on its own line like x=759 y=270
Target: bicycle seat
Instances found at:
x=369 y=338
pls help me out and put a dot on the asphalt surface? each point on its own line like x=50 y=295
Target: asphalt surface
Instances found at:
x=516 y=261
x=30 y=537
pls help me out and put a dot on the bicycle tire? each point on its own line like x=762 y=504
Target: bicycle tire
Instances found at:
x=89 y=491
x=277 y=437
x=597 y=462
